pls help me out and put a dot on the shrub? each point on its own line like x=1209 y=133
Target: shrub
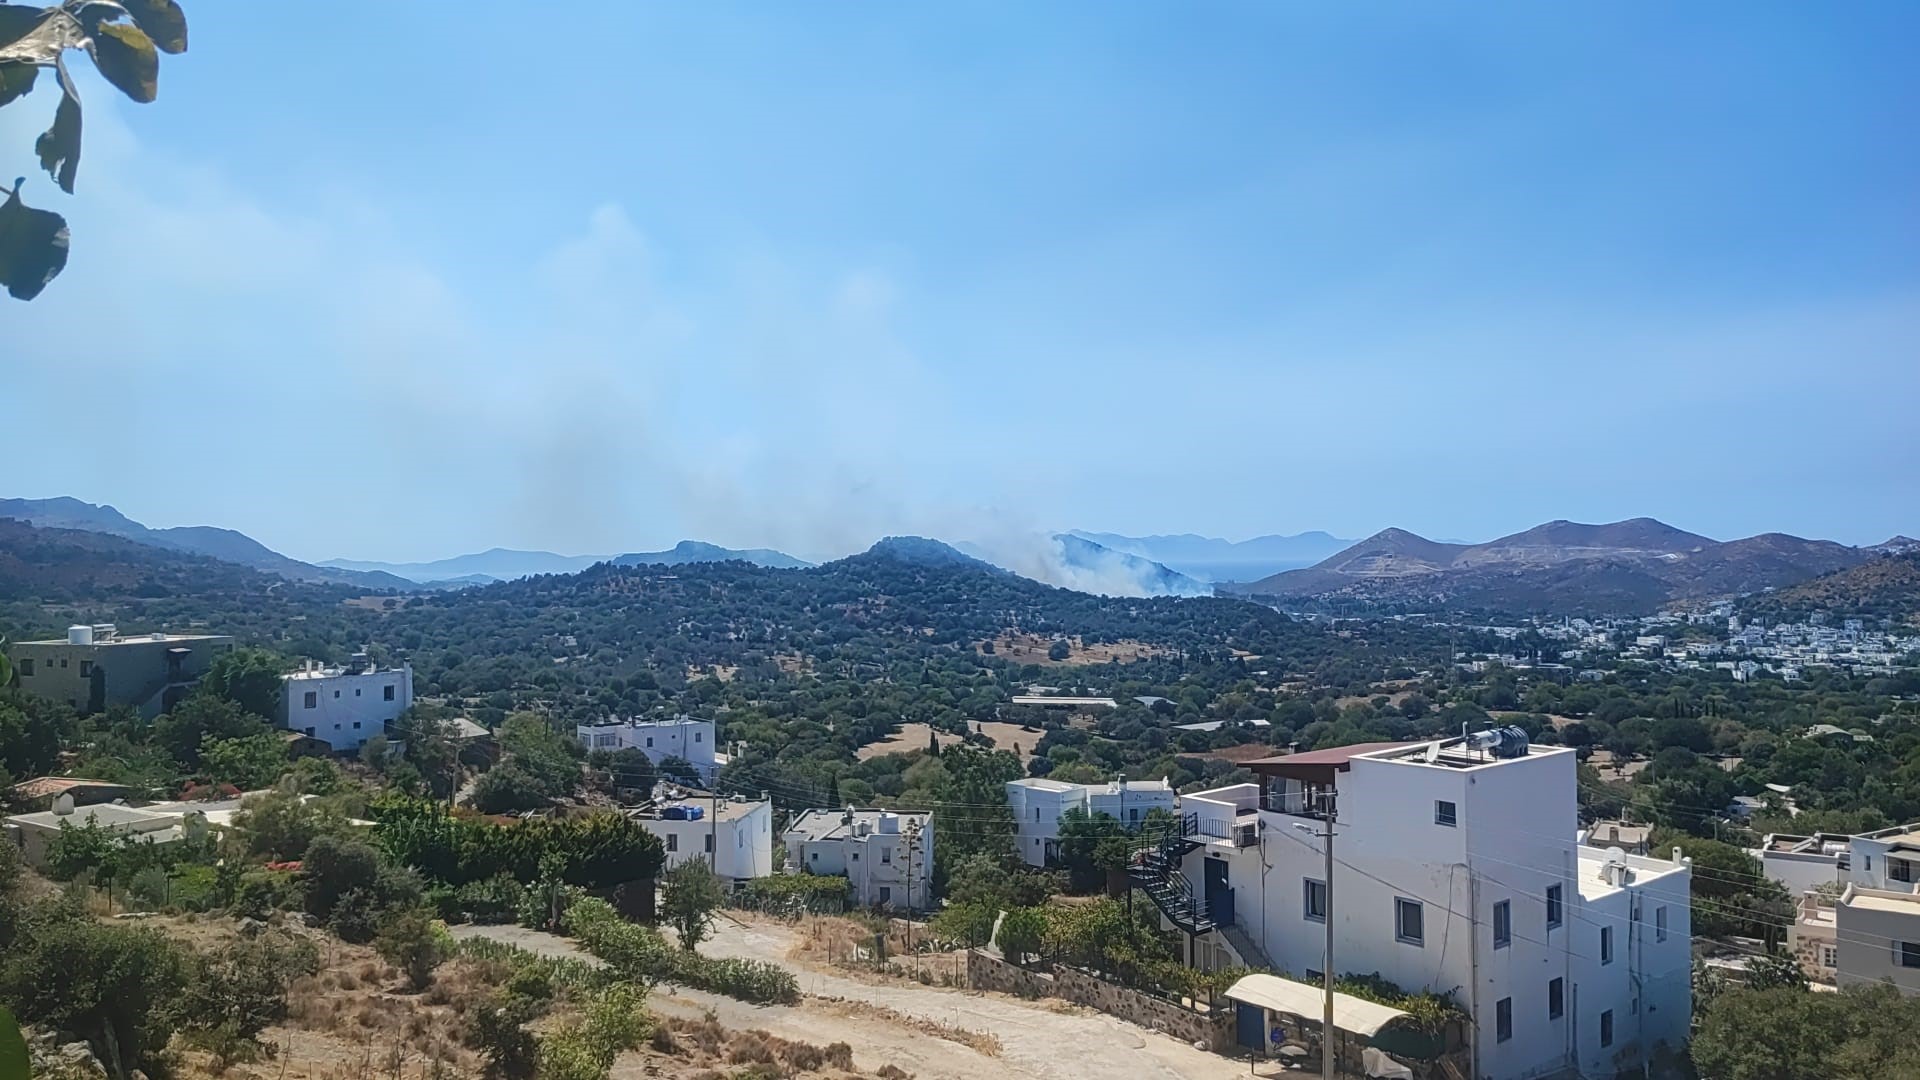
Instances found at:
x=260 y=893
x=1022 y=931
x=239 y=989
x=411 y=942
x=693 y=897
x=491 y=900
x=115 y=983
x=641 y=954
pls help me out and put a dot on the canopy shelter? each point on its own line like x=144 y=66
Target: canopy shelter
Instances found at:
x=1370 y=1023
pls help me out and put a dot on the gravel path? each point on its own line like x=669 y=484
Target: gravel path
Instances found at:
x=1037 y=1042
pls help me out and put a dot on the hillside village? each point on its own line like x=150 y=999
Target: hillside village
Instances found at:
x=1553 y=834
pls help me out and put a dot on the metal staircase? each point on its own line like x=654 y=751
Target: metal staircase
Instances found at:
x=1155 y=870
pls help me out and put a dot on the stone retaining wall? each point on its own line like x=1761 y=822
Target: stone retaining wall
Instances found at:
x=1214 y=1027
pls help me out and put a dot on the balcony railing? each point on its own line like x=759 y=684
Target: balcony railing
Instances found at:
x=1297 y=803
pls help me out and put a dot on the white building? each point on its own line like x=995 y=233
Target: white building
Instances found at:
x=1878 y=934
x=1887 y=859
x=345 y=706
x=1800 y=863
x=1038 y=804
x=736 y=834
x=888 y=857
x=1456 y=872
x=683 y=737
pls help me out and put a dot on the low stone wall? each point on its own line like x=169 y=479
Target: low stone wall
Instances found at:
x=1214 y=1027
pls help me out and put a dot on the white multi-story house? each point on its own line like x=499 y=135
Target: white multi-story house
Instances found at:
x=1878 y=937
x=682 y=737
x=1457 y=871
x=1885 y=859
x=736 y=835
x=886 y=856
x=1038 y=804
x=345 y=706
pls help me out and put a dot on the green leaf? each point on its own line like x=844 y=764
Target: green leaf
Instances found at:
x=59 y=147
x=126 y=56
x=37 y=35
x=33 y=246
x=13 y=1047
x=163 y=21
x=15 y=80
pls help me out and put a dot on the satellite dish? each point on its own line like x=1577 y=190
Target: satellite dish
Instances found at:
x=1433 y=752
x=63 y=804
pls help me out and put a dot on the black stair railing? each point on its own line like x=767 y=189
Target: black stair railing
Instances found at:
x=1155 y=870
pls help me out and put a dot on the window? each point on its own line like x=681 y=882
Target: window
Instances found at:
x=1556 y=999
x=1829 y=956
x=856 y=856
x=1036 y=813
x=356 y=691
x=886 y=895
x=1897 y=869
x=709 y=843
x=1408 y=921
x=1554 y=909
x=886 y=854
x=309 y=733
x=696 y=735
x=1502 y=924
x=1503 y=1019
x=336 y=694
x=312 y=700
x=1606 y=1028
x=673 y=842
x=649 y=742
x=389 y=691
x=1445 y=813
x=815 y=856
x=1660 y=923
x=26 y=667
x=356 y=725
x=1313 y=904
x=1907 y=953
x=86 y=669
x=1606 y=945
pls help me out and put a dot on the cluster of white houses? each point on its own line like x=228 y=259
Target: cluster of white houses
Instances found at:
x=1857 y=917
x=1459 y=865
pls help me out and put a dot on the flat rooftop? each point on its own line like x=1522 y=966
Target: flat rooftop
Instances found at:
x=833 y=824
x=1891 y=903
x=340 y=673
x=1045 y=700
x=131 y=639
x=729 y=810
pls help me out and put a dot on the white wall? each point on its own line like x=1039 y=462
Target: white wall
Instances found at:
x=345 y=710
x=1036 y=813
x=1514 y=837
x=1869 y=942
x=1798 y=872
x=744 y=841
x=689 y=739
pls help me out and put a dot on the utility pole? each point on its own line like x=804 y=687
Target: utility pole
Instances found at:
x=913 y=844
x=713 y=827
x=1327 y=1030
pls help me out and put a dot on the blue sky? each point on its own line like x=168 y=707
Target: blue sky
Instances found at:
x=413 y=279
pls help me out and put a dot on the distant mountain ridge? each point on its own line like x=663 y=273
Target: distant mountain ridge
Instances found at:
x=1621 y=567
x=695 y=551
x=1210 y=559
x=226 y=545
x=494 y=564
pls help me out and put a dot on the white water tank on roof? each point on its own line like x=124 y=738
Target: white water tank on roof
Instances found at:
x=79 y=635
x=889 y=823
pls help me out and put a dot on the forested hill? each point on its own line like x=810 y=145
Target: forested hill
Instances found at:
x=609 y=637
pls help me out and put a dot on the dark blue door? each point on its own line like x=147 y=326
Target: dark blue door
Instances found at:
x=1219 y=896
x=1250 y=1025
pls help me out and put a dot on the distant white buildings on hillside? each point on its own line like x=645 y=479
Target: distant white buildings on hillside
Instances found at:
x=886 y=857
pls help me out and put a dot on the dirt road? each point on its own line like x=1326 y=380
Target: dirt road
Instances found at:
x=1036 y=1042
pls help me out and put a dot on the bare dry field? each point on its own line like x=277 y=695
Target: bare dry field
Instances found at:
x=1022 y=648
x=1007 y=736
x=909 y=737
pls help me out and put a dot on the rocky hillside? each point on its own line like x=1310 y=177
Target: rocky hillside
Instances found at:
x=1887 y=587
x=1561 y=567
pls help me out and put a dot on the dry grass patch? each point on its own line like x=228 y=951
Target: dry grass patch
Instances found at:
x=910 y=737
x=1024 y=648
